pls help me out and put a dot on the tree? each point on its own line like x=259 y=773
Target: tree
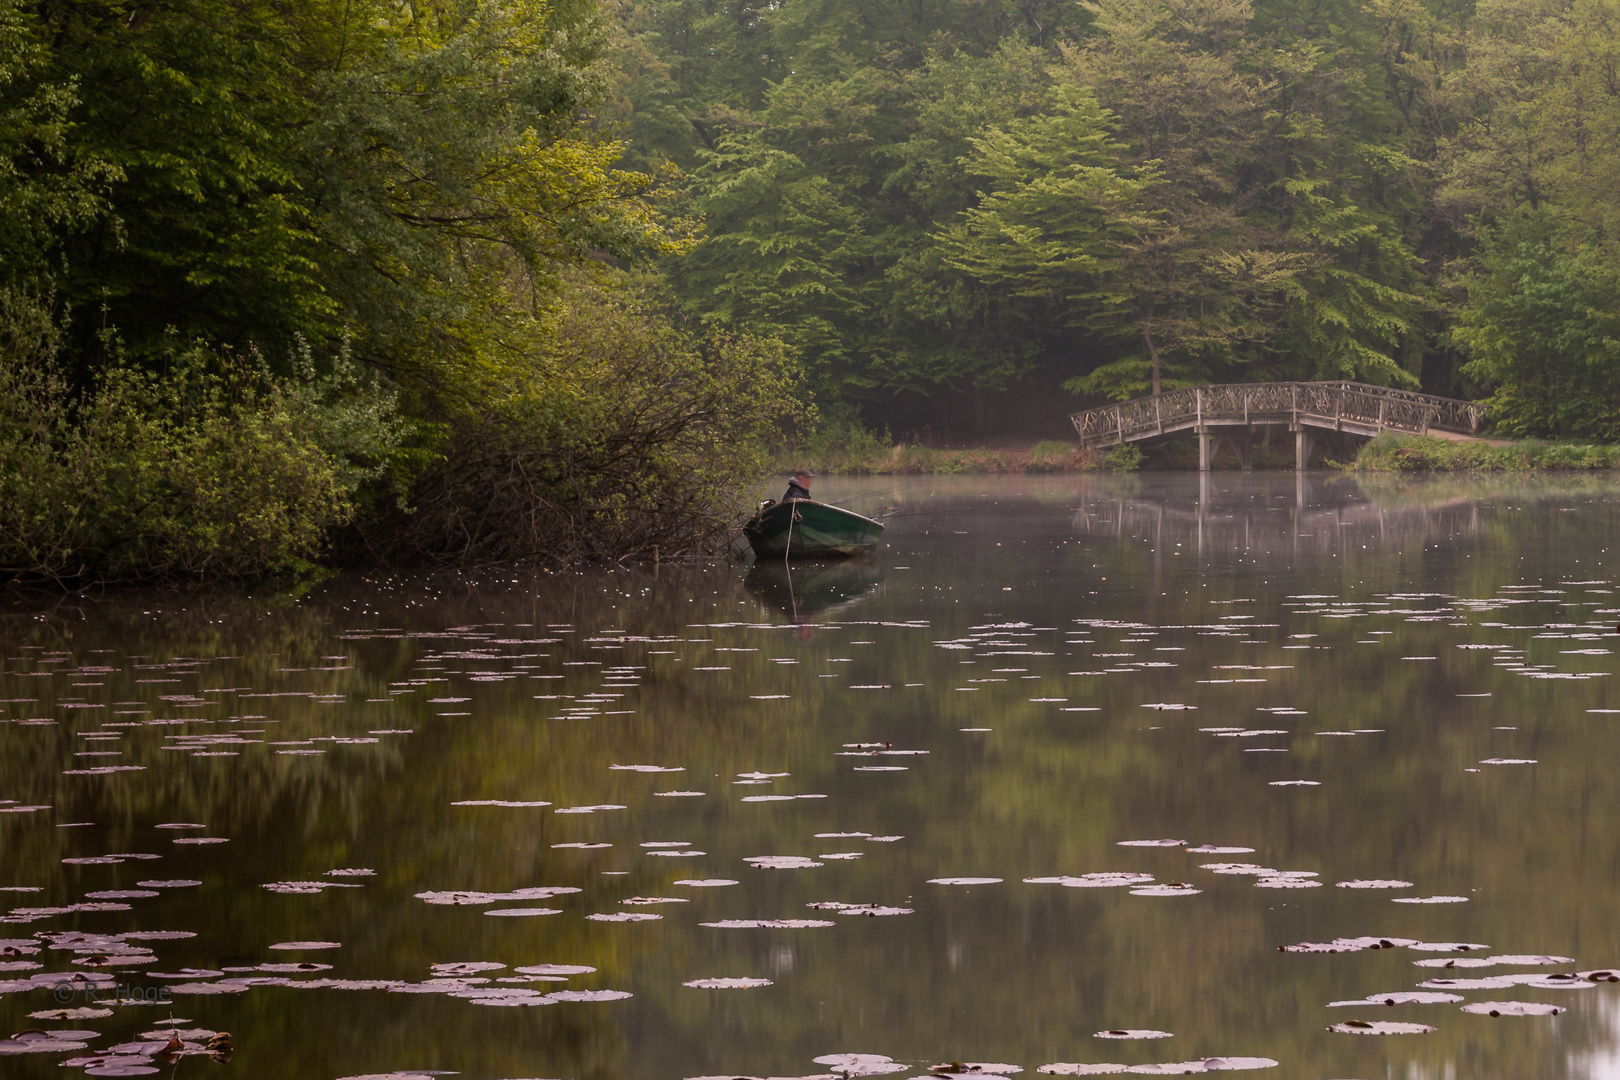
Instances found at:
x=1542 y=331
x=44 y=187
x=410 y=178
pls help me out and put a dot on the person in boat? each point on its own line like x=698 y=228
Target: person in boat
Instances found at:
x=799 y=485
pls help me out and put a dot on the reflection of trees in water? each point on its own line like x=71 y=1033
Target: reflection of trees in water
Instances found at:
x=1049 y=793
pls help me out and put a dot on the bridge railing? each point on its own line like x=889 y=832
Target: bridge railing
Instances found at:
x=1359 y=403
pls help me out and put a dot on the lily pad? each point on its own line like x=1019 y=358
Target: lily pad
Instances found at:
x=305 y=946
x=1374 y=883
x=1447 y=946
x=588 y=995
x=1380 y=1027
x=975 y=1068
x=521 y=912
x=1401 y=997
x=1429 y=900
x=769 y=924
x=1512 y=1008
x=1103 y=880
x=727 y=984
x=862 y=1064
x=1215 y=849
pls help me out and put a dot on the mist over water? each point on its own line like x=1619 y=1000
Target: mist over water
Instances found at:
x=816 y=794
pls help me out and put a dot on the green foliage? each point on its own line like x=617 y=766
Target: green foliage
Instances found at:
x=1542 y=331
x=1050 y=456
x=412 y=179
x=609 y=434
x=1148 y=194
x=1124 y=458
x=45 y=183
x=1411 y=453
x=213 y=468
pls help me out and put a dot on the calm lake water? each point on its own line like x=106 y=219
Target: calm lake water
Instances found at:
x=1339 y=681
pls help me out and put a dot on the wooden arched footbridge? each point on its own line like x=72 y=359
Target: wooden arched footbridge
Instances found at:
x=1234 y=411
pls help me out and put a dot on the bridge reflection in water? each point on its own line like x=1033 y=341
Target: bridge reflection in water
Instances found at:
x=1327 y=412
x=1221 y=514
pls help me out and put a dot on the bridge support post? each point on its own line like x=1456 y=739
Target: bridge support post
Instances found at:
x=1302 y=447
x=1243 y=442
x=1204 y=450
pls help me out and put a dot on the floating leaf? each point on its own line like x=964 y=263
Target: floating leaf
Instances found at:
x=1512 y=1008
x=1380 y=1027
x=1110 y=879
x=588 y=995
x=769 y=924
x=305 y=946
x=1400 y=997
x=858 y=909
x=1169 y=1068
x=1446 y=946
x=1429 y=900
x=976 y=1068
x=727 y=984
x=861 y=1064
x=521 y=912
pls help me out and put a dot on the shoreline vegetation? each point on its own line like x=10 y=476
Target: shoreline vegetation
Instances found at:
x=290 y=286
x=869 y=454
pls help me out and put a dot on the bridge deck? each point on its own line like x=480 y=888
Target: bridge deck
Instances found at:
x=1348 y=407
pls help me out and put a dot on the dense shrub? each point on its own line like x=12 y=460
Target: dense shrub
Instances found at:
x=211 y=467
x=1410 y=453
x=611 y=434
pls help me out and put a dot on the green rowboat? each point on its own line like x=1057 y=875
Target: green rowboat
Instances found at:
x=804 y=529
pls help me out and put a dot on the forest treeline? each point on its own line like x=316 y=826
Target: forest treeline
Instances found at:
x=458 y=280
x=286 y=282
x=943 y=195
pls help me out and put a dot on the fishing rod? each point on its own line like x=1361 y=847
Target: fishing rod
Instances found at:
x=875 y=494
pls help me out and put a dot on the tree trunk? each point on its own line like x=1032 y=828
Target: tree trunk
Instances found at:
x=1153 y=358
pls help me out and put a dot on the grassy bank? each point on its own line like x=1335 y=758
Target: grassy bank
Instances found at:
x=849 y=451
x=1411 y=453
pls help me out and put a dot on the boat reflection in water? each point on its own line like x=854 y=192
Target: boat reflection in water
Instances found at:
x=804 y=589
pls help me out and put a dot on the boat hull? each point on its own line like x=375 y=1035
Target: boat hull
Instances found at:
x=804 y=529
